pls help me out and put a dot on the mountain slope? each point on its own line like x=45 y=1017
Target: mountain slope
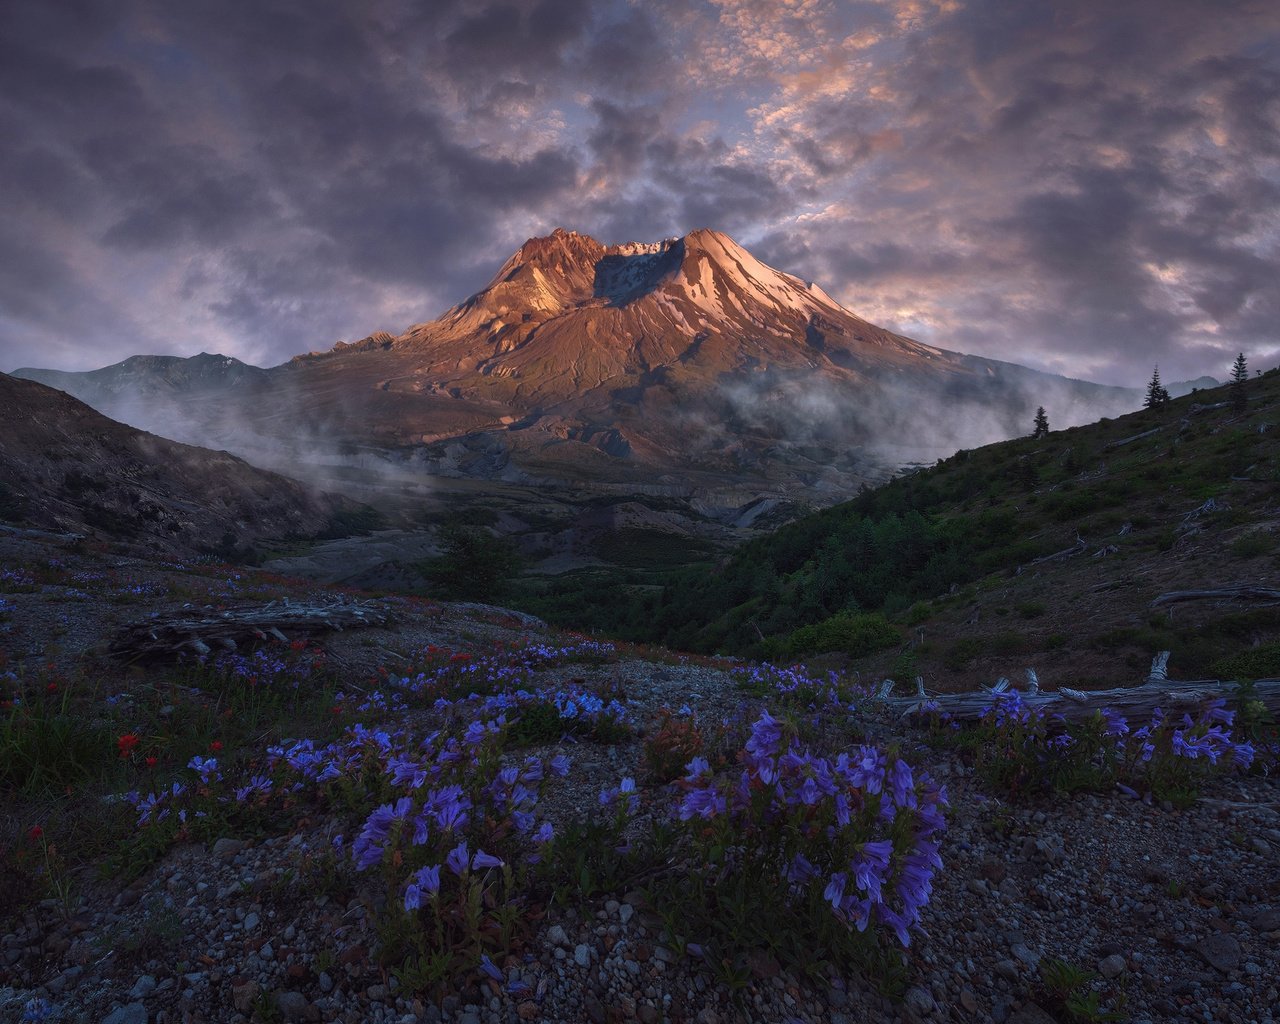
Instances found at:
x=684 y=367
x=1032 y=552
x=65 y=467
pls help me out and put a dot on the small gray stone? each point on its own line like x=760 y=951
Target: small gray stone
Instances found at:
x=918 y=1001
x=625 y=911
x=226 y=848
x=1111 y=966
x=143 y=987
x=469 y=1018
x=1260 y=846
x=292 y=1005
x=1220 y=951
x=1007 y=969
x=1030 y=1013
x=133 y=1013
x=325 y=982
x=251 y=921
x=582 y=955
x=1267 y=920
x=557 y=936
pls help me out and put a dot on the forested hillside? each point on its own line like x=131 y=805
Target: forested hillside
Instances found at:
x=1184 y=490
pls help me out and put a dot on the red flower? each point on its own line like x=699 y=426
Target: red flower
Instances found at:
x=215 y=746
x=126 y=743
x=52 y=687
x=35 y=832
x=461 y=657
x=298 y=645
x=151 y=762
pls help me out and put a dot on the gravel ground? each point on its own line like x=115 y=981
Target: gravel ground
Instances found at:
x=1177 y=912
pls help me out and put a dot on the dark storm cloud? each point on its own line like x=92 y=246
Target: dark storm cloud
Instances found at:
x=1088 y=187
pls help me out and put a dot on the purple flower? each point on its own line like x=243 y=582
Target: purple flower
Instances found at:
x=488 y=967
x=458 y=859
x=834 y=892
x=425 y=880
x=484 y=860
x=1116 y=724
x=766 y=734
x=559 y=766
x=545 y=834
x=696 y=768
x=703 y=802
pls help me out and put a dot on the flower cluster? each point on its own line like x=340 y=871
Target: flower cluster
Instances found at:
x=862 y=824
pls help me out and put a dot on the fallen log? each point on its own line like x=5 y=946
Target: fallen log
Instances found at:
x=199 y=631
x=1078 y=547
x=1240 y=593
x=1136 y=437
x=1136 y=703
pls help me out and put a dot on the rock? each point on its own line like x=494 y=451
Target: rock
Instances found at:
x=470 y=1017
x=143 y=987
x=1260 y=846
x=225 y=848
x=132 y=1013
x=528 y=1010
x=1007 y=969
x=376 y=993
x=1111 y=966
x=968 y=1000
x=647 y=1014
x=1028 y=956
x=918 y=1001
x=595 y=1009
x=1030 y=1014
x=251 y=921
x=325 y=982
x=625 y=911
x=582 y=955
x=244 y=996
x=557 y=936
x=1221 y=952
x=1267 y=920
x=293 y=1005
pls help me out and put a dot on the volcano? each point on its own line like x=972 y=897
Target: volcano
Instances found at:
x=684 y=367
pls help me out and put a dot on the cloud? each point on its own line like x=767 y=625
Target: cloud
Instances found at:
x=1085 y=188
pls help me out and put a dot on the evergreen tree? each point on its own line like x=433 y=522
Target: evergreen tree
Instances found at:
x=1042 y=424
x=1157 y=394
x=1239 y=375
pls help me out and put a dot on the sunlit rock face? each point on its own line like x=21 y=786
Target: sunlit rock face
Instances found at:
x=679 y=367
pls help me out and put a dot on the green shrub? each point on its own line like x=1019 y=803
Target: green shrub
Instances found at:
x=855 y=634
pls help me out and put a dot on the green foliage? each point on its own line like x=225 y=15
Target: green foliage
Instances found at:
x=851 y=633
x=1239 y=395
x=1157 y=394
x=476 y=565
x=1261 y=662
x=1251 y=545
x=46 y=746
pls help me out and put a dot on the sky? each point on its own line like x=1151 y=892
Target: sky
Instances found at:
x=1090 y=187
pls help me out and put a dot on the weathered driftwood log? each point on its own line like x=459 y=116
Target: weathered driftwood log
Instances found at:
x=200 y=631
x=1136 y=703
x=1075 y=549
x=1136 y=437
x=1240 y=593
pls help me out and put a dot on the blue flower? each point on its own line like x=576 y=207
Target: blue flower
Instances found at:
x=458 y=859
